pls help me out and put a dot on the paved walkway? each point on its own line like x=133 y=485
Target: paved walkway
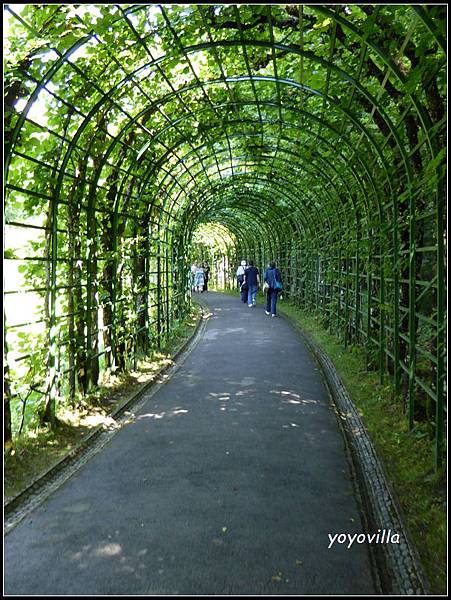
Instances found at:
x=227 y=482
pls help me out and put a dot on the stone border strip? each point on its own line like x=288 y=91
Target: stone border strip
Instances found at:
x=46 y=483
x=399 y=566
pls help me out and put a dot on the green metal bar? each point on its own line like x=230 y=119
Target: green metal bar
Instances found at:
x=382 y=317
x=440 y=332
x=357 y=281
x=369 y=284
x=412 y=310
x=159 y=328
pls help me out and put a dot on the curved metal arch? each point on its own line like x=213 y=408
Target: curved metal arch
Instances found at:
x=343 y=74
x=355 y=208
x=287 y=182
x=235 y=222
x=285 y=151
x=430 y=26
x=274 y=224
x=381 y=213
x=377 y=152
x=242 y=200
x=282 y=191
x=168 y=194
x=281 y=149
x=287 y=123
x=32 y=98
x=311 y=56
x=198 y=207
x=308 y=223
x=356 y=122
x=245 y=234
x=234 y=42
x=379 y=205
x=109 y=150
x=270 y=79
x=422 y=113
x=297 y=206
x=107 y=96
x=231 y=246
x=218 y=190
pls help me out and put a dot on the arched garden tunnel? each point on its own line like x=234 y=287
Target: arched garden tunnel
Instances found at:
x=313 y=135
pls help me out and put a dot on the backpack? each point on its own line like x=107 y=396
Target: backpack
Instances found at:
x=274 y=282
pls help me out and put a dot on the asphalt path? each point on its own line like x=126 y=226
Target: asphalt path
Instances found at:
x=227 y=481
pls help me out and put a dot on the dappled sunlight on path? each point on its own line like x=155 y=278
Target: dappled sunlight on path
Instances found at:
x=226 y=481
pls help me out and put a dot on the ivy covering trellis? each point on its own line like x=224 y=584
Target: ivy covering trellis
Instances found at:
x=314 y=134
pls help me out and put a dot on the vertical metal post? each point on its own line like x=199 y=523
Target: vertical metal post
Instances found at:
x=381 y=314
x=440 y=342
x=346 y=303
x=369 y=284
x=168 y=319
x=52 y=376
x=135 y=292
x=339 y=289
x=147 y=287
x=412 y=309
x=316 y=268
x=158 y=289
x=396 y=294
x=357 y=284
x=114 y=358
x=90 y=243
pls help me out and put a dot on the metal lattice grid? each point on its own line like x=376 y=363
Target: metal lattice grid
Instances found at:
x=314 y=134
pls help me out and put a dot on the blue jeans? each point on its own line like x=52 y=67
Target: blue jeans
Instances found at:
x=251 y=294
x=271 y=301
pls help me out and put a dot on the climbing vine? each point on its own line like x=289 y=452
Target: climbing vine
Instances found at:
x=139 y=138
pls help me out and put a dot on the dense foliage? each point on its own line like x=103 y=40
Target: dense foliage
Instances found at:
x=314 y=134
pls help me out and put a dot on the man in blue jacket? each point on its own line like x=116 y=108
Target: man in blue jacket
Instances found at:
x=274 y=280
x=252 y=279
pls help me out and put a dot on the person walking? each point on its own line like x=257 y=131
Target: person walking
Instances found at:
x=206 y=277
x=241 y=283
x=199 y=279
x=252 y=279
x=274 y=281
x=193 y=276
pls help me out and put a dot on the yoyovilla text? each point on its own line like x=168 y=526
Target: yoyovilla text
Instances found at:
x=383 y=536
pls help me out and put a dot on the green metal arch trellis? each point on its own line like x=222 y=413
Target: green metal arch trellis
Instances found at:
x=315 y=134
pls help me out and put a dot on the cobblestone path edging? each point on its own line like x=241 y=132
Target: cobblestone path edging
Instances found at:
x=399 y=566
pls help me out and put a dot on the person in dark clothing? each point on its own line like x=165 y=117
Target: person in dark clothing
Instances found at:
x=274 y=281
x=241 y=283
x=206 y=277
x=252 y=279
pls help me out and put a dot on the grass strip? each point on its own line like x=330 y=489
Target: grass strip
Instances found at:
x=408 y=456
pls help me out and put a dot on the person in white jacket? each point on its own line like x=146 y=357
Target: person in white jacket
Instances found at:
x=240 y=278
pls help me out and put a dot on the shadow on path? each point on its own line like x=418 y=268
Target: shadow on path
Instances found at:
x=227 y=481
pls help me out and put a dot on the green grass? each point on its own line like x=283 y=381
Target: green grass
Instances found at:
x=408 y=457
